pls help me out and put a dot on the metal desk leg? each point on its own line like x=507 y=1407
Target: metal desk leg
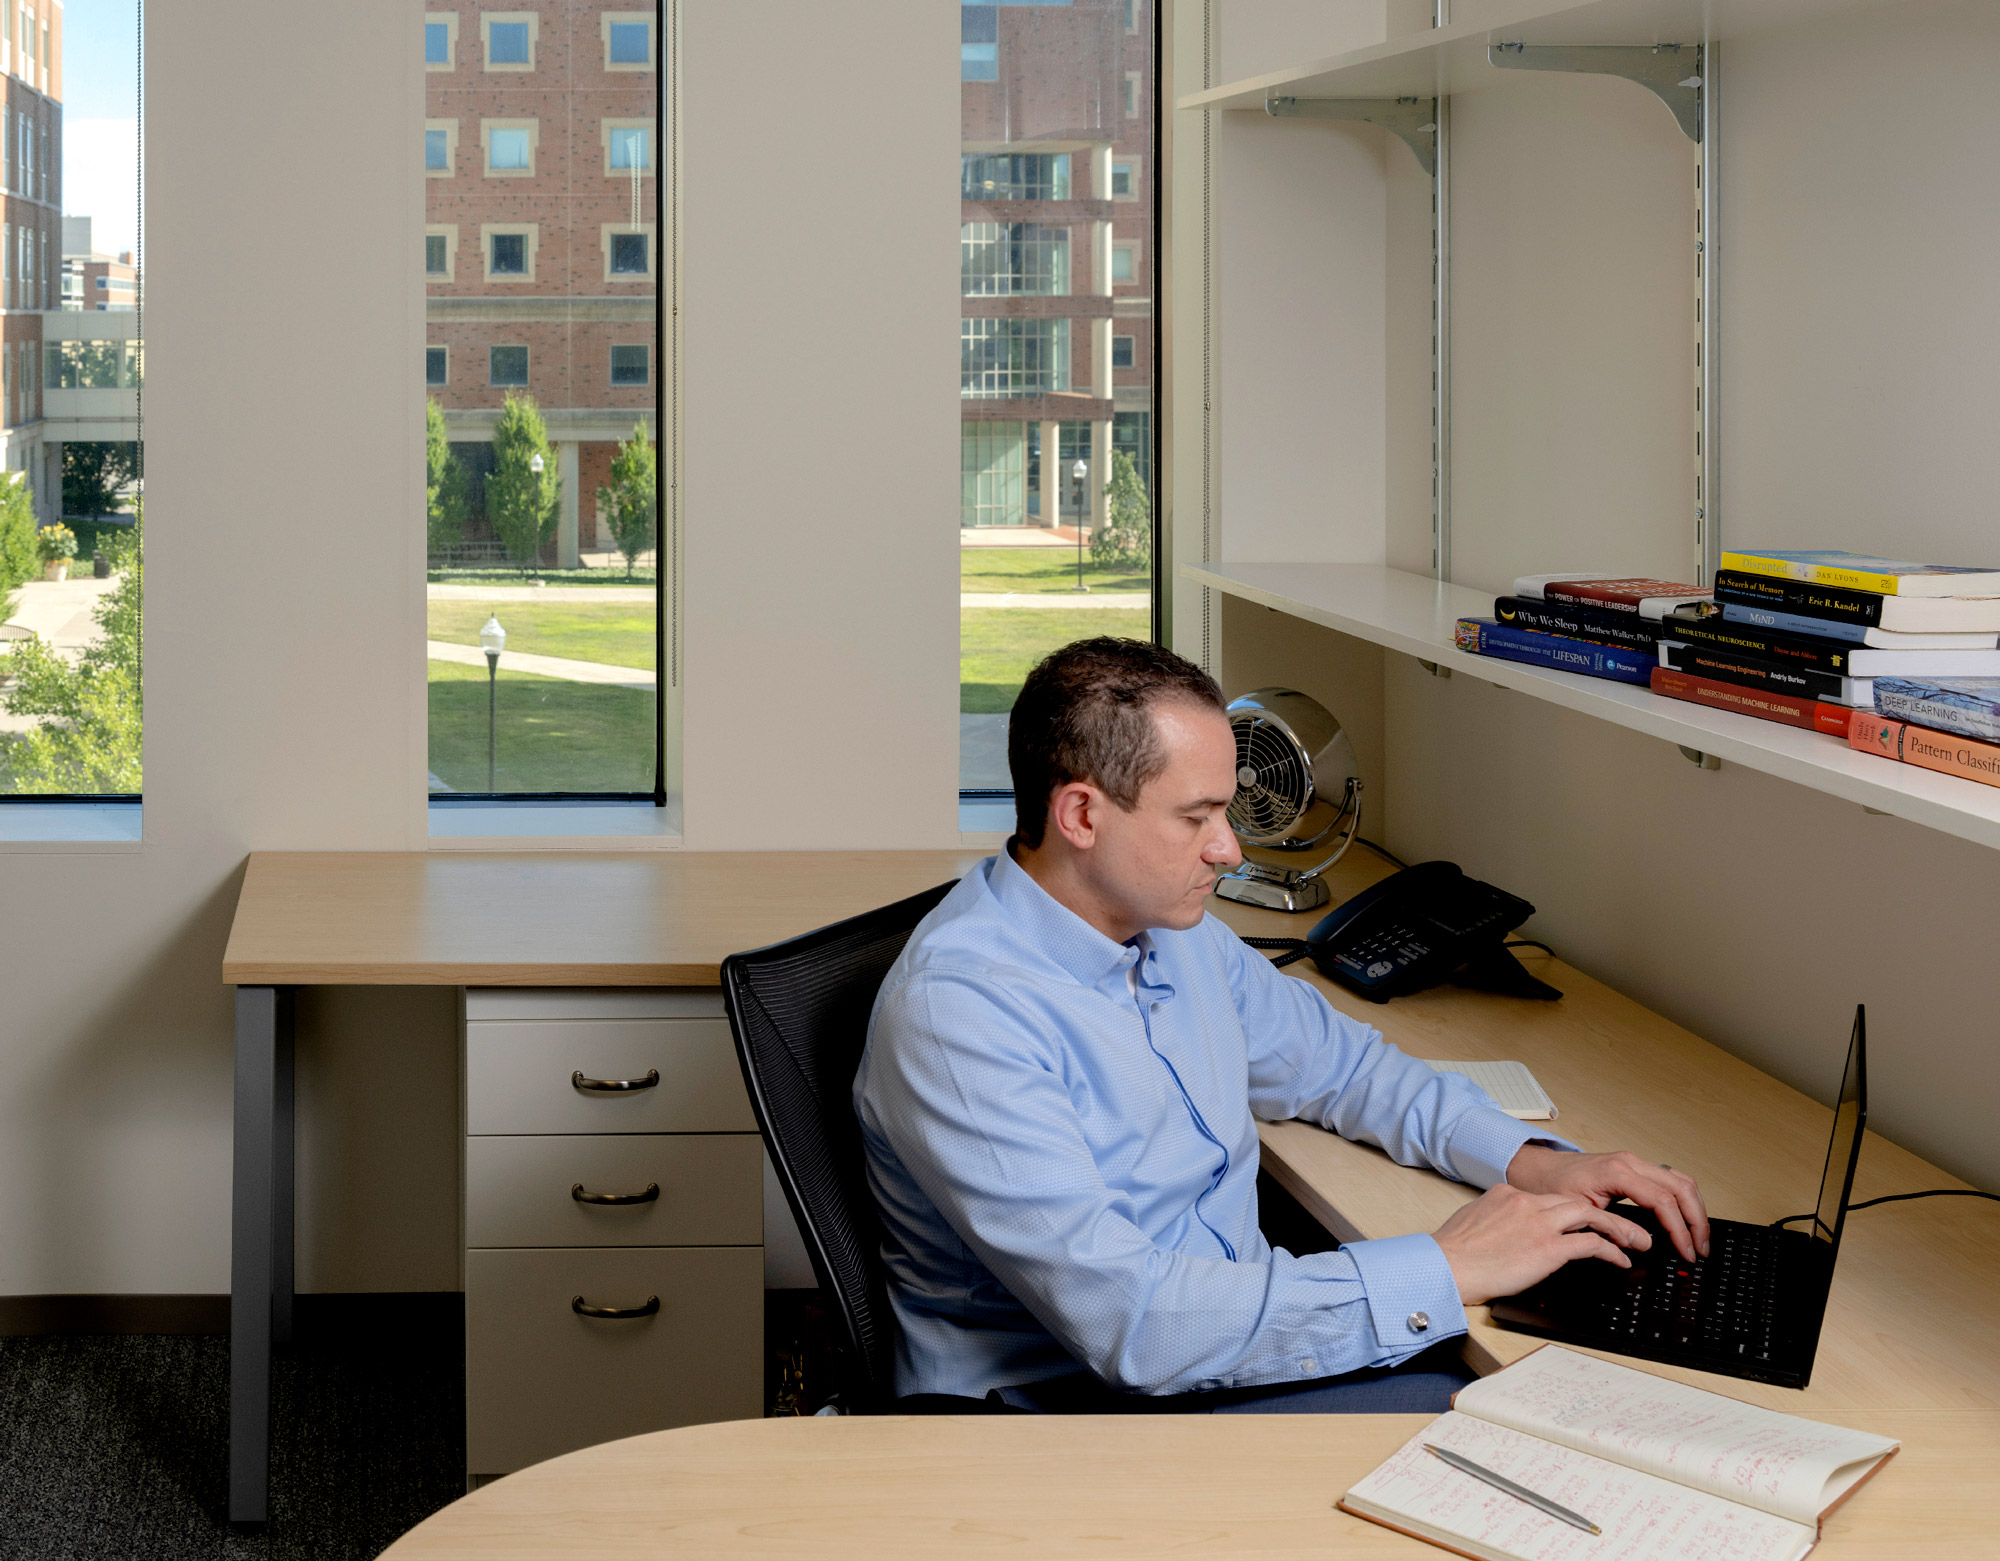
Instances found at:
x=260 y=1278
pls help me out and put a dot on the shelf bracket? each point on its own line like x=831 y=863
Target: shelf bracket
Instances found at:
x=1670 y=71
x=1411 y=120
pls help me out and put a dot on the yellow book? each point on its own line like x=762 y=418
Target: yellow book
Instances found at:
x=1864 y=572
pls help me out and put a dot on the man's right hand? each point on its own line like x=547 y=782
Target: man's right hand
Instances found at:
x=1506 y=1240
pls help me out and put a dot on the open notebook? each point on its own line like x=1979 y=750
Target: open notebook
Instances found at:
x=1513 y=1088
x=1668 y=1472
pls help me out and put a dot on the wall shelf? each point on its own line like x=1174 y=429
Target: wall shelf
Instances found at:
x=1415 y=615
x=1443 y=60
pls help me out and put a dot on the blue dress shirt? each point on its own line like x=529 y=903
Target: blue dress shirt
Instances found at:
x=1061 y=1136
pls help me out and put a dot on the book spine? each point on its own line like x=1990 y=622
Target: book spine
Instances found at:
x=1704 y=662
x=1814 y=574
x=1554 y=651
x=1583 y=623
x=1949 y=754
x=1876 y=734
x=1834 y=720
x=1787 y=709
x=1794 y=623
x=1730 y=638
x=1799 y=596
x=1577 y=593
x=1982 y=723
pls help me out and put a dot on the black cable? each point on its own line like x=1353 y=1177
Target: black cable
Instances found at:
x=1296 y=946
x=1530 y=943
x=1896 y=1197
x=1387 y=856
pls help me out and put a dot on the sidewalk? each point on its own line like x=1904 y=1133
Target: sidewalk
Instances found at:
x=538 y=593
x=1017 y=536
x=546 y=666
x=1061 y=601
x=59 y=614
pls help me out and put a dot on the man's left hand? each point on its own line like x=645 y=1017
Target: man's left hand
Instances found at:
x=1672 y=1197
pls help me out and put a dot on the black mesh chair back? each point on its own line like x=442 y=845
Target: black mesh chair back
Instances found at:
x=799 y=1011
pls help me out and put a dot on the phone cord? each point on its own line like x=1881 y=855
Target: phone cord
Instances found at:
x=1298 y=948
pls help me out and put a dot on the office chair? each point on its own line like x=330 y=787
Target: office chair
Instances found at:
x=799 y=1013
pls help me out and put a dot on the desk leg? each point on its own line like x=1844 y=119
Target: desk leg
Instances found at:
x=260 y=1277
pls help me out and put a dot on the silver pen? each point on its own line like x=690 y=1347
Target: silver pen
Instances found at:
x=1519 y=1492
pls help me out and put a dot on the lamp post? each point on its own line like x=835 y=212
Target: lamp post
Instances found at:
x=535 y=465
x=1079 y=471
x=492 y=640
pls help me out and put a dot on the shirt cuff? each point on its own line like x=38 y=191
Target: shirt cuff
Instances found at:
x=1485 y=1142
x=1412 y=1296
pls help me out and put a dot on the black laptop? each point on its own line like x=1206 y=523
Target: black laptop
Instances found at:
x=1752 y=1308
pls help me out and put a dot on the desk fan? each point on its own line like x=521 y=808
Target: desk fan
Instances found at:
x=1296 y=785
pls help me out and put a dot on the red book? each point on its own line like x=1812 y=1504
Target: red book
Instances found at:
x=1815 y=715
x=1641 y=596
x=1945 y=752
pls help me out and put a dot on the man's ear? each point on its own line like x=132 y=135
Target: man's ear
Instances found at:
x=1073 y=810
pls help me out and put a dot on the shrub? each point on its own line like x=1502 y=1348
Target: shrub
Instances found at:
x=1125 y=541
x=631 y=501
x=56 y=543
x=521 y=504
x=20 y=558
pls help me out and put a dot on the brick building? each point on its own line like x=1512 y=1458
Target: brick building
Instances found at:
x=92 y=279
x=30 y=236
x=1055 y=217
x=541 y=249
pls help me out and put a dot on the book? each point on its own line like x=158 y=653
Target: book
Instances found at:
x=1666 y=1471
x=1869 y=609
x=1726 y=666
x=1583 y=623
x=1968 y=706
x=1814 y=715
x=1840 y=656
x=1945 y=752
x=1514 y=1089
x=1484 y=637
x=1849 y=633
x=1639 y=596
x=1865 y=572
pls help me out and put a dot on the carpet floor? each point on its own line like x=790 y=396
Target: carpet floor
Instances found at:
x=115 y=1448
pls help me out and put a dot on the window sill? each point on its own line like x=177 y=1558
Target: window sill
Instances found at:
x=985 y=825
x=553 y=826
x=70 y=826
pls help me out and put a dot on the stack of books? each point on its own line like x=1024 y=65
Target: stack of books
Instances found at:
x=1803 y=637
x=1604 y=626
x=1947 y=724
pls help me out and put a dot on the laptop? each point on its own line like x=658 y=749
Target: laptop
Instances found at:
x=1752 y=1308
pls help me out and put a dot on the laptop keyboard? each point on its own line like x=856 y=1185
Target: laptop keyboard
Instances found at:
x=1726 y=1304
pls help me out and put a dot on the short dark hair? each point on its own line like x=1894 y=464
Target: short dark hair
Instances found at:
x=1085 y=714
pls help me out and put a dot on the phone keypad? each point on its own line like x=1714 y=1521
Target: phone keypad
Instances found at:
x=1380 y=953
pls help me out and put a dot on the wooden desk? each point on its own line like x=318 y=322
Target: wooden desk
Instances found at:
x=1087 y=1486
x=1911 y=1323
x=458 y=919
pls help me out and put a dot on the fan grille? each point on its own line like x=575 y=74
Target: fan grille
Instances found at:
x=1270 y=804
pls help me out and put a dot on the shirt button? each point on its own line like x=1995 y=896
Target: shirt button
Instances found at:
x=1419 y=1321
x=1308 y=1365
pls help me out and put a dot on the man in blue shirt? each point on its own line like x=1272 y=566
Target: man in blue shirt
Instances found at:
x=1061 y=1088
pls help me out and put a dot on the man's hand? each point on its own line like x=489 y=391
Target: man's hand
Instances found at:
x=1507 y=1239
x=1673 y=1198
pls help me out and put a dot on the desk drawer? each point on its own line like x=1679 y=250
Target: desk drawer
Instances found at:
x=519 y=1077
x=541 y=1380
x=711 y=1190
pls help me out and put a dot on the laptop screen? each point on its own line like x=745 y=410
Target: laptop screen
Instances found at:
x=1849 y=1115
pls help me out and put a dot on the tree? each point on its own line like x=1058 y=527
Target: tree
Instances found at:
x=447 y=489
x=20 y=553
x=522 y=505
x=631 y=501
x=1125 y=542
x=93 y=470
x=90 y=713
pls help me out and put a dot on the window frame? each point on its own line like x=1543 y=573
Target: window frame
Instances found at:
x=612 y=349
x=450 y=129
x=527 y=365
x=449 y=20
x=608 y=230
x=531 y=127
x=647 y=170
x=529 y=232
x=1131 y=351
x=626 y=19
x=1133 y=247
x=487 y=20
x=444 y=380
x=448 y=231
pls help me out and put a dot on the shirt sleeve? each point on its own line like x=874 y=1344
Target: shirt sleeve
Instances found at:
x=1311 y=1061
x=970 y=1098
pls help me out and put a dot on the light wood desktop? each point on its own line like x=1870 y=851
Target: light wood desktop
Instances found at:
x=1912 y=1321
x=1084 y=1486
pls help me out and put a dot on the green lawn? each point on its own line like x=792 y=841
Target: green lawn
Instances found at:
x=553 y=735
x=500 y=576
x=996 y=569
x=997 y=646
x=617 y=633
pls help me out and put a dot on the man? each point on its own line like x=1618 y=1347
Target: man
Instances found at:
x=1061 y=1086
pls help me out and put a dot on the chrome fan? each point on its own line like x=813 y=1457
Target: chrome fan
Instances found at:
x=1297 y=785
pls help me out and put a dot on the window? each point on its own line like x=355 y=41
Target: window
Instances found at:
x=440 y=148
x=1032 y=177
x=627 y=147
x=507 y=366
x=436 y=365
x=979 y=43
x=1131 y=16
x=510 y=254
x=509 y=148
x=511 y=37
x=437 y=260
x=437 y=43
x=628 y=41
x=1001 y=259
x=1121 y=352
x=437 y=150
x=992 y=475
x=1124 y=179
x=1123 y=263
x=510 y=250
x=631 y=365
x=1131 y=94
x=1010 y=357
x=631 y=254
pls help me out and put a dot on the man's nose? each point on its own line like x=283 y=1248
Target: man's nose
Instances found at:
x=1222 y=850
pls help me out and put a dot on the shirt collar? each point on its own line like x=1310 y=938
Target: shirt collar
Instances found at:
x=1057 y=932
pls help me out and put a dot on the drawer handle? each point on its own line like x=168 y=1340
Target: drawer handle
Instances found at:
x=614 y=1086
x=651 y=1193
x=583 y=1308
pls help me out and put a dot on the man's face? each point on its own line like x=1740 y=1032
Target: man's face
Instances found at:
x=1158 y=863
